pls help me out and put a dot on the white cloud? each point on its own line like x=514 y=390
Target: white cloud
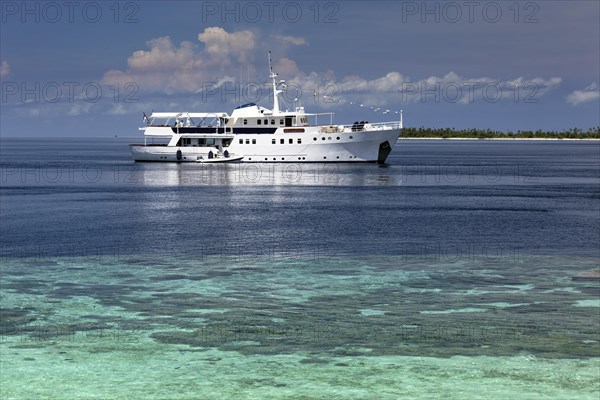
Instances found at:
x=4 y=69
x=394 y=88
x=163 y=56
x=586 y=95
x=220 y=57
x=79 y=108
x=286 y=68
x=185 y=68
x=221 y=44
x=295 y=40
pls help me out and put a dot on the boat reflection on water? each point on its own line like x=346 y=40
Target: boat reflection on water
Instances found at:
x=259 y=174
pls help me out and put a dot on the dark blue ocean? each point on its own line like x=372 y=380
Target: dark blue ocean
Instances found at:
x=457 y=265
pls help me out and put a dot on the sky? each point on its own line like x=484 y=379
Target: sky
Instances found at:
x=91 y=68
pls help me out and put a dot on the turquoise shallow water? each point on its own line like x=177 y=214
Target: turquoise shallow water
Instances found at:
x=183 y=327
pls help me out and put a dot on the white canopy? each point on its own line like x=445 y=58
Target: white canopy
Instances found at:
x=186 y=115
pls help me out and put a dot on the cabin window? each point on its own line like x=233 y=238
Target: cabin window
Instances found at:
x=272 y=122
x=273 y=141
x=299 y=141
x=247 y=141
x=245 y=122
x=201 y=142
x=253 y=141
x=258 y=121
x=241 y=141
x=291 y=141
x=266 y=122
x=280 y=122
x=281 y=141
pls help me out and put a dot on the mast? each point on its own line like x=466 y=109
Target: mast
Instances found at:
x=276 y=92
x=401 y=122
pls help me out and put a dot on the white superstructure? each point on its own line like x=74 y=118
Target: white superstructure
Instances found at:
x=256 y=134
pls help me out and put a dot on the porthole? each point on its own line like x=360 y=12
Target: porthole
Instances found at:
x=338 y=138
x=329 y=138
x=324 y=158
x=351 y=137
x=323 y=138
x=315 y=138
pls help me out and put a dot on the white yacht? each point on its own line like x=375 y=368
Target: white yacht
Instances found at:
x=256 y=134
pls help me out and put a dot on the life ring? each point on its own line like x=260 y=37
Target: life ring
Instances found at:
x=178 y=155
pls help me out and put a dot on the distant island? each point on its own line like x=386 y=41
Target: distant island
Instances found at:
x=450 y=133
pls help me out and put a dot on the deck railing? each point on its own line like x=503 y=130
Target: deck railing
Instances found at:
x=363 y=126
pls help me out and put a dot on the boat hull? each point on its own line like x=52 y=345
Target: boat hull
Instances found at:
x=365 y=146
